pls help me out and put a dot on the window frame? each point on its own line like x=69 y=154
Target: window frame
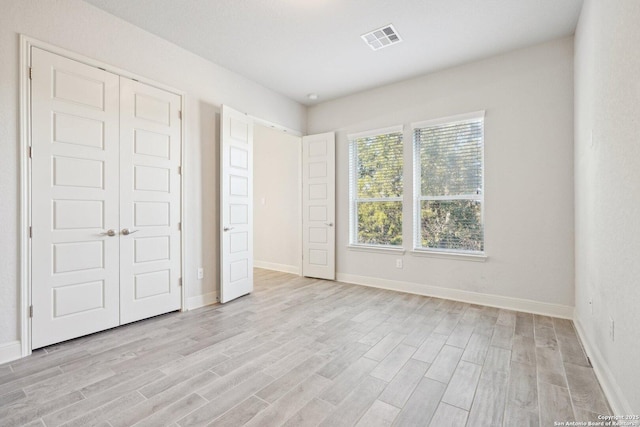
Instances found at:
x=354 y=200
x=418 y=198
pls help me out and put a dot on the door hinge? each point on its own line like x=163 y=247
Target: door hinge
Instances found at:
x=179 y=170
x=179 y=226
x=180 y=281
x=31 y=152
x=30 y=231
x=30 y=311
x=30 y=73
x=180 y=114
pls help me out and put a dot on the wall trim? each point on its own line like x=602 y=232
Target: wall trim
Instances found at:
x=202 y=300
x=617 y=400
x=510 y=303
x=10 y=351
x=285 y=268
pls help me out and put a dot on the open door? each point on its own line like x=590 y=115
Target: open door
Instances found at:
x=236 y=204
x=319 y=206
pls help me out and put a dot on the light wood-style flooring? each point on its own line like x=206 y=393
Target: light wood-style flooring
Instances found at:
x=305 y=352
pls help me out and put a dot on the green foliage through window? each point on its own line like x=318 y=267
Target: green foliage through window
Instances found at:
x=449 y=177
x=376 y=189
x=449 y=162
x=379 y=223
x=455 y=224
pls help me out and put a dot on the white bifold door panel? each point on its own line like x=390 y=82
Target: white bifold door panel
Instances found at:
x=105 y=158
x=149 y=201
x=75 y=199
x=318 y=206
x=236 y=204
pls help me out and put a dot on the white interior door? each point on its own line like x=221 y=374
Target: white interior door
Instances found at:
x=74 y=116
x=236 y=204
x=319 y=206
x=150 y=158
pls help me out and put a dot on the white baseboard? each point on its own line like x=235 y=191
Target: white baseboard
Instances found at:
x=10 y=351
x=277 y=267
x=202 y=300
x=510 y=303
x=617 y=400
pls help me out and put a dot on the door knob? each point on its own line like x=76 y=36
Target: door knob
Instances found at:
x=109 y=233
x=227 y=229
x=126 y=231
x=330 y=224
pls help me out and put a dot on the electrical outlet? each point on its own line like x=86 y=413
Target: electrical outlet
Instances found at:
x=200 y=273
x=399 y=263
x=612 y=330
x=591 y=305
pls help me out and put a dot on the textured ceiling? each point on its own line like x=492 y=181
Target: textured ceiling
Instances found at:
x=297 y=47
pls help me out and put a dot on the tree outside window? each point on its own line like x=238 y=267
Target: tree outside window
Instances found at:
x=376 y=182
x=449 y=175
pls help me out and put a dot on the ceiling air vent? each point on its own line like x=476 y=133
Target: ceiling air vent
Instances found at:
x=382 y=37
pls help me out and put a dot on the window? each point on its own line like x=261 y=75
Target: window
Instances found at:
x=448 y=184
x=375 y=187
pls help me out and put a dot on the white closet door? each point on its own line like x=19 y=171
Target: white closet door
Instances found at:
x=236 y=204
x=74 y=113
x=150 y=153
x=319 y=206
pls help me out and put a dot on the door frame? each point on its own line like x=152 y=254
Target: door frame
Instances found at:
x=26 y=43
x=271 y=125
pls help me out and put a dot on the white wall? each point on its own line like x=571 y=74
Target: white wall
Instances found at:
x=607 y=199
x=79 y=27
x=276 y=199
x=528 y=98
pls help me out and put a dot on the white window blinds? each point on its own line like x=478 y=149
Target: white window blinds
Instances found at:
x=449 y=176
x=375 y=196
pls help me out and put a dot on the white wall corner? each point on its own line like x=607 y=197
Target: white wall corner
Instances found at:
x=277 y=267
x=509 y=303
x=10 y=351
x=202 y=300
x=617 y=400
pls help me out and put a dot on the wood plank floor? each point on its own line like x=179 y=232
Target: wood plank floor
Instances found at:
x=305 y=352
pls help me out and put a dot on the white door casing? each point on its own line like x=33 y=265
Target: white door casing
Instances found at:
x=75 y=186
x=236 y=204
x=318 y=206
x=150 y=158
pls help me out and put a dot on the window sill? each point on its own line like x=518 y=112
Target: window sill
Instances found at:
x=459 y=256
x=376 y=249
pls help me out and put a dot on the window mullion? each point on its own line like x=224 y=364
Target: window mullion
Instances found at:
x=478 y=197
